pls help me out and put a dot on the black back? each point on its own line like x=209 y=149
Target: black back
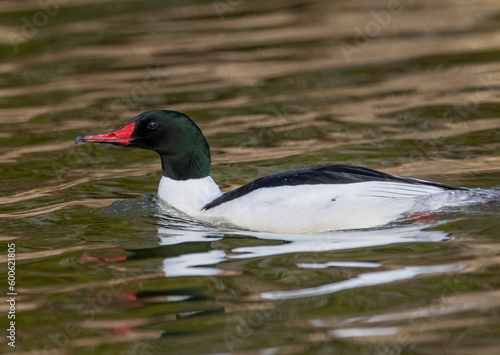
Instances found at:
x=320 y=174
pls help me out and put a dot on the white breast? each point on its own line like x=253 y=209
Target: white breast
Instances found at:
x=188 y=196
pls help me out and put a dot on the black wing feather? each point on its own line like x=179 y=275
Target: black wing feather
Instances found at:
x=320 y=174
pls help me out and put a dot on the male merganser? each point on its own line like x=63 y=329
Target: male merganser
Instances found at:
x=310 y=199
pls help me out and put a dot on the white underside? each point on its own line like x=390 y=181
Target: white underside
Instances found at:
x=297 y=209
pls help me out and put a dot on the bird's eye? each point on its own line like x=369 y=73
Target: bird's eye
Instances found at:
x=152 y=125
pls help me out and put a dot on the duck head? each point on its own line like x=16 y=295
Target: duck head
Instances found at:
x=183 y=149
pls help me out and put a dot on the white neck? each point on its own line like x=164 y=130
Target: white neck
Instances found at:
x=188 y=196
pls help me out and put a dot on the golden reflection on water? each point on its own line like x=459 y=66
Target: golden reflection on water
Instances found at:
x=263 y=39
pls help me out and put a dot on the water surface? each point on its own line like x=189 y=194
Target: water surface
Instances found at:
x=411 y=90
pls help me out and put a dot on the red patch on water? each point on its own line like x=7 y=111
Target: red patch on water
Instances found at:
x=424 y=217
x=86 y=258
x=121 y=330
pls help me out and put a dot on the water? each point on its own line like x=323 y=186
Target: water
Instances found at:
x=410 y=89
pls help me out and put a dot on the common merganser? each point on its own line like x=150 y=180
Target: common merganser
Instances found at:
x=309 y=199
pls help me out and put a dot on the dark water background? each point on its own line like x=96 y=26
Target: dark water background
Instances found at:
x=407 y=87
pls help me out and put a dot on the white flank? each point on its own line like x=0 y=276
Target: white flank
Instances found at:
x=297 y=209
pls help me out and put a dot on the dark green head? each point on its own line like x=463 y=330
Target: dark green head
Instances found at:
x=174 y=136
